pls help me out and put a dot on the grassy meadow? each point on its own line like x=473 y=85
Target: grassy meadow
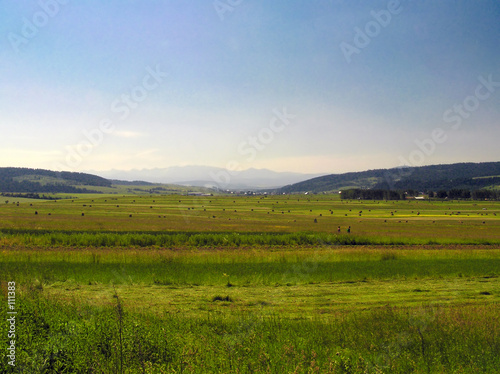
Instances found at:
x=251 y=284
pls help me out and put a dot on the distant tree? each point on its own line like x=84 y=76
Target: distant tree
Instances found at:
x=442 y=194
x=459 y=193
x=485 y=194
x=377 y=194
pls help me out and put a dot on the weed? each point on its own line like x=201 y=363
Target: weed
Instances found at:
x=222 y=298
x=388 y=256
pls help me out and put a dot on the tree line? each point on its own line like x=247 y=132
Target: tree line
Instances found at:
x=29 y=195
x=34 y=187
x=455 y=194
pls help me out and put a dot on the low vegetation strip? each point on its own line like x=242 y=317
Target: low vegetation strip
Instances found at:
x=46 y=238
x=244 y=267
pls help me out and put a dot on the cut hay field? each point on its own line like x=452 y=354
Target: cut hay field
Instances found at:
x=251 y=284
x=450 y=221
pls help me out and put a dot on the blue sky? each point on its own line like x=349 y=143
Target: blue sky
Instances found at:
x=93 y=85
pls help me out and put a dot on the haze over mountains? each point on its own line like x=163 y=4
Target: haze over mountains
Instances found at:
x=432 y=177
x=206 y=176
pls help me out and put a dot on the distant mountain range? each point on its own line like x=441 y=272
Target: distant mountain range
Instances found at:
x=470 y=176
x=206 y=176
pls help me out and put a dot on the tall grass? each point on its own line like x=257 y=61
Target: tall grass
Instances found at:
x=46 y=238
x=59 y=337
x=244 y=266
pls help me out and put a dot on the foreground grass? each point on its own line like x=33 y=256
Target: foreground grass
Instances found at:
x=57 y=337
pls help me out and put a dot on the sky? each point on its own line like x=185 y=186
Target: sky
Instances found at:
x=322 y=86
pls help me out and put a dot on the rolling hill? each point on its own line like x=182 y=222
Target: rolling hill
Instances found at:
x=35 y=181
x=471 y=176
x=41 y=180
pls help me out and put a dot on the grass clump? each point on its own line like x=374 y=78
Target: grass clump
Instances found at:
x=388 y=256
x=222 y=298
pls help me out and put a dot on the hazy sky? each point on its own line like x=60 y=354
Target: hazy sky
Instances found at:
x=307 y=86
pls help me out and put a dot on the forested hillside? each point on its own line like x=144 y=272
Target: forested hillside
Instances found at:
x=40 y=180
x=470 y=176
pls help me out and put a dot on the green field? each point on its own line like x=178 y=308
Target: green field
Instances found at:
x=251 y=284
